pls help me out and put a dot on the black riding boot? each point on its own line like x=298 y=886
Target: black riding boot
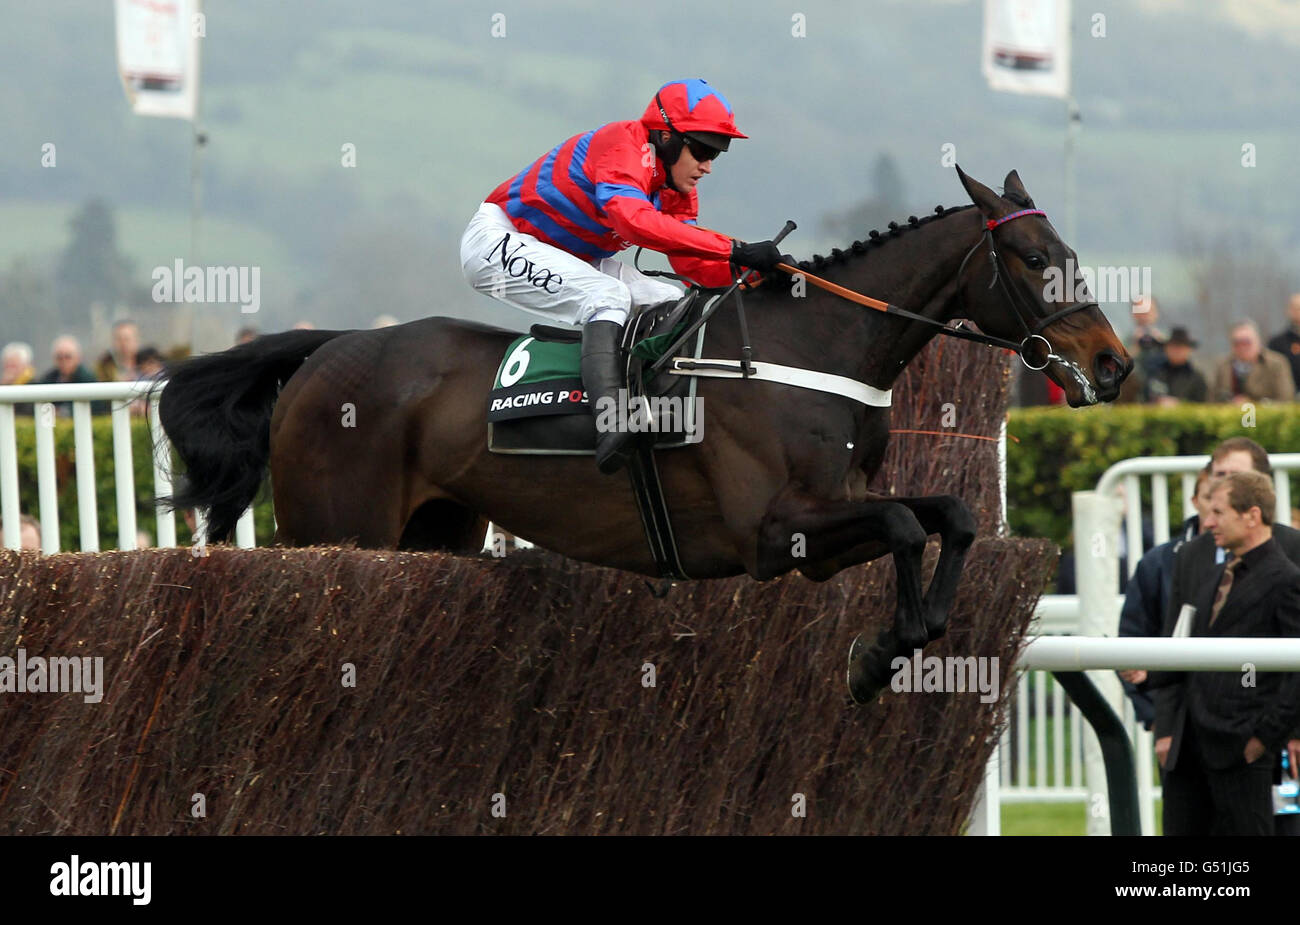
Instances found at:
x=602 y=378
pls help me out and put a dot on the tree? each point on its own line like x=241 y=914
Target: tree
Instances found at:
x=885 y=204
x=27 y=304
x=91 y=268
x=1236 y=275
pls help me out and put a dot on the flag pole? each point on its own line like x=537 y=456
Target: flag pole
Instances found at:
x=1073 y=121
x=199 y=138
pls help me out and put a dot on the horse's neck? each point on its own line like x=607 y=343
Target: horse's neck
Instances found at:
x=916 y=271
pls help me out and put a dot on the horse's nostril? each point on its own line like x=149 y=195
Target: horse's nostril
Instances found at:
x=1109 y=368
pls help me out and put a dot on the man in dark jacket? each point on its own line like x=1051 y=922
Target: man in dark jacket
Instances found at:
x=1198 y=562
x=1227 y=727
x=1287 y=342
x=69 y=368
x=1174 y=379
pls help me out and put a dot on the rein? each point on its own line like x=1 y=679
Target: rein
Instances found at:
x=999 y=273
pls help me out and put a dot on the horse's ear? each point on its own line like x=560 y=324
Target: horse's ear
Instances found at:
x=981 y=195
x=1015 y=190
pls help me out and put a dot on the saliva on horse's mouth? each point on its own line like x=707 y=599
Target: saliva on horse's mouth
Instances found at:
x=1089 y=396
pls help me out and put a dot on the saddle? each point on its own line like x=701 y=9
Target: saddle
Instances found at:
x=538 y=405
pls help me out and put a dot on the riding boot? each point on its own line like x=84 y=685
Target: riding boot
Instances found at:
x=602 y=378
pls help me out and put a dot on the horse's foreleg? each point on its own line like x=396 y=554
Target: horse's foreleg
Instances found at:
x=828 y=531
x=952 y=520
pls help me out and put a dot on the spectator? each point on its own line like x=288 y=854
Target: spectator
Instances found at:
x=69 y=368
x=1147 y=338
x=304 y=326
x=1196 y=563
x=30 y=533
x=17 y=363
x=244 y=335
x=119 y=364
x=1251 y=373
x=150 y=363
x=1287 y=342
x=1175 y=379
x=1148 y=590
x=1226 y=734
x=18 y=370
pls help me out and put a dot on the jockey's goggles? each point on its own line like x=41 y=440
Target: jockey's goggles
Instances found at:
x=700 y=150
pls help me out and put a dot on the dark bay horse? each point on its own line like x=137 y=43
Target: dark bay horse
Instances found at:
x=379 y=436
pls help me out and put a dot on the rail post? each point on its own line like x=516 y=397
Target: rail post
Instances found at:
x=1096 y=567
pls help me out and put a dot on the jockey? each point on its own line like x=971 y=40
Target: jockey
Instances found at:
x=544 y=240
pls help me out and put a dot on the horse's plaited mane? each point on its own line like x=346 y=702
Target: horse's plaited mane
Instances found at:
x=873 y=239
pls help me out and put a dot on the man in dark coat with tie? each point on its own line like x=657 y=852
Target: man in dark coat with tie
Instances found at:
x=1226 y=728
x=1197 y=562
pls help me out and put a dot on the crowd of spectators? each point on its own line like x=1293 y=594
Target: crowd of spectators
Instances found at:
x=124 y=361
x=1169 y=369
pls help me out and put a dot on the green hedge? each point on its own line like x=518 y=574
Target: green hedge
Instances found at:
x=105 y=491
x=1057 y=451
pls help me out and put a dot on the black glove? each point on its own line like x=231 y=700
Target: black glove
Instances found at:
x=761 y=255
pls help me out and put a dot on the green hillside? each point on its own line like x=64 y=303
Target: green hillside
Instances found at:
x=440 y=111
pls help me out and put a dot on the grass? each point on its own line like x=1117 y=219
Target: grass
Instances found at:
x=1051 y=818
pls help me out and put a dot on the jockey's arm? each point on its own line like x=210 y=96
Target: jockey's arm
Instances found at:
x=692 y=251
x=704 y=256
x=707 y=271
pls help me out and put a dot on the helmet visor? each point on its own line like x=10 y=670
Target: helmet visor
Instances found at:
x=715 y=140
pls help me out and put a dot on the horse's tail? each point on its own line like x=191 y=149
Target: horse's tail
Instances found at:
x=216 y=410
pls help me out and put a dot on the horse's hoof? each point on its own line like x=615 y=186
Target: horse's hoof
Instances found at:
x=862 y=687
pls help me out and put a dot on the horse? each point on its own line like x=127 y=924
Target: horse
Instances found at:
x=779 y=482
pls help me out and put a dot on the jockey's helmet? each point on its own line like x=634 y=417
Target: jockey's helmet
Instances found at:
x=693 y=109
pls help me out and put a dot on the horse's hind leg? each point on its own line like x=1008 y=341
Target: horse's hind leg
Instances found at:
x=442 y=524
x=332 y=505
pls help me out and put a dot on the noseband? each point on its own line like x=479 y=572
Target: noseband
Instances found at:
x=1021 y=311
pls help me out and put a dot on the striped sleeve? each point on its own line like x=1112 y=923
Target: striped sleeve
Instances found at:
x=621 y=193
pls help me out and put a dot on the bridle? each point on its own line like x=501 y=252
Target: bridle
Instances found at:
x=999 y=273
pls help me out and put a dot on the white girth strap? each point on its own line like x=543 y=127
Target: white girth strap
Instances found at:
x=786 y=375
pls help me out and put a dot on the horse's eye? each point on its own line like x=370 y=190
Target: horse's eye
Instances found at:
x=1035 y=262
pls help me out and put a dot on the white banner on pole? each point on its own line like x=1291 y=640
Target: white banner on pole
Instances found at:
x=158 y=55
x=1027 y=46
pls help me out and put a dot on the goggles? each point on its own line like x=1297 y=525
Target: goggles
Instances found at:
x=701 y=151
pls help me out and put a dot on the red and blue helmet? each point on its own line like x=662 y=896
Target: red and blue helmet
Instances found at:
x=694 y=109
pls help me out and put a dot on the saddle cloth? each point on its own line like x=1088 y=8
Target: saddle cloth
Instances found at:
x=538 y=405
